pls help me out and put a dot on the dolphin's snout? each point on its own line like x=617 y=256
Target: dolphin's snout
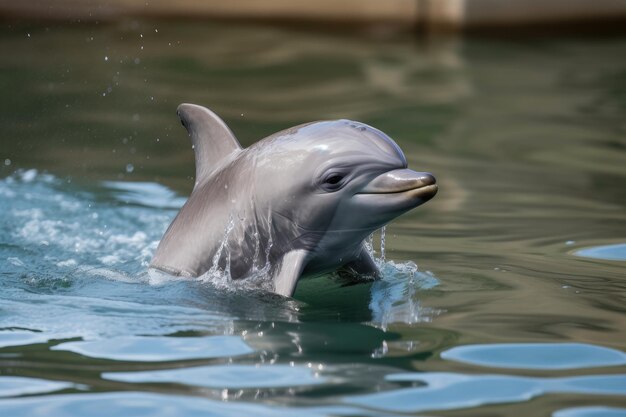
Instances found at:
x=402 y=180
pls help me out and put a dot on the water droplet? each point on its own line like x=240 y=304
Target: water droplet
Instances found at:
x=7 y=162
x=130 y=168
x=106 y=58
x=28 y=35
x=570 y=242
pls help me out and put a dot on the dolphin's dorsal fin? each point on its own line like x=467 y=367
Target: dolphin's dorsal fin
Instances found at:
x=212 y=140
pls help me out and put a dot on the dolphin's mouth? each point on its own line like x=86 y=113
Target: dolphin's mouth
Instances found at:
x=400 y=181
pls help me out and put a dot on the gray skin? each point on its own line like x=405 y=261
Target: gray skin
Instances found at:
x=298 y=203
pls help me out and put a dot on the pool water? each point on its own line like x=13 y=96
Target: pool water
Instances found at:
x=503 y=296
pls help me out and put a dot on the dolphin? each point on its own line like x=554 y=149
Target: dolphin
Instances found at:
x=298 y=203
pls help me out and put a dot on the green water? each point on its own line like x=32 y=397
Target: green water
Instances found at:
x=527 y=139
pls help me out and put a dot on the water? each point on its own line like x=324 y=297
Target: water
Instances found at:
x=502 y=296
x=608 y=252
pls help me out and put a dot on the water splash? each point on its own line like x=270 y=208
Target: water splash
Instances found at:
x=369 y=246
x=215 y=270
x=382 y=243
x=257 y=269
x=258 y=278
x=60 y=237
x=394 y=296
x=53 y=228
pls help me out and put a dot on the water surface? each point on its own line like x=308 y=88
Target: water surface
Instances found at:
x=505 y=295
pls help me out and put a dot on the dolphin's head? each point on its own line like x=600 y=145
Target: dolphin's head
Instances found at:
x=343 y=178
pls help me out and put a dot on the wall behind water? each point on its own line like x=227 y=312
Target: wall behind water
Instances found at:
x=412 y=14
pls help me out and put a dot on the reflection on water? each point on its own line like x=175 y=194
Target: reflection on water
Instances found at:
x=13 y=386
x=536 y=355
x=154 y=349
x=444 y=391
x=16 y=337
x=229 y=376
x=591 y=412
x=516 y=308
x=608 y=252
x=150 y=404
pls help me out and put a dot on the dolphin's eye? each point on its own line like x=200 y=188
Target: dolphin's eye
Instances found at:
x=333 y=179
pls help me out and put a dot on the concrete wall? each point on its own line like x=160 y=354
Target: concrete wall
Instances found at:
x=396 y=11
x=507 y=12
x=428 y=14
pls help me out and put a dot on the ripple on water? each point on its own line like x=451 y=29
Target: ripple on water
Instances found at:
x=591 y=412
x=11 y=386
x=227 y=376
x=450 y=391
x=131 y=404
x=72 y=290
x=608 y=252
x=543 y=356
x=157 y=405
x=21 y=338
x=158 y=348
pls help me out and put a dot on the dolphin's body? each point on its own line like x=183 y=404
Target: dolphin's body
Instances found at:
x=300 y=202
